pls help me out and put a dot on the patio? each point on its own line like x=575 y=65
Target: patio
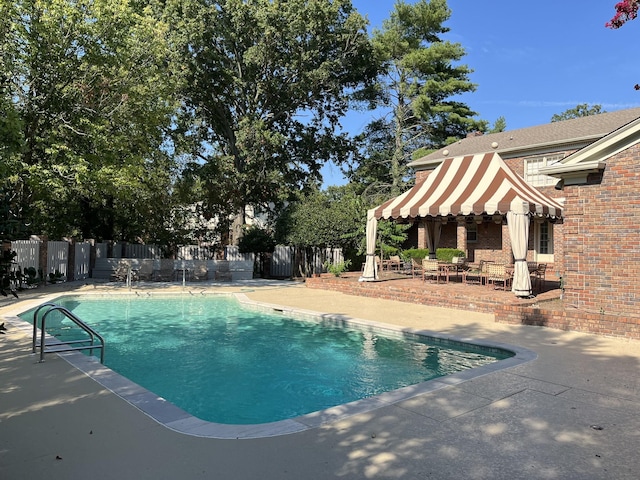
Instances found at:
x=393 y=285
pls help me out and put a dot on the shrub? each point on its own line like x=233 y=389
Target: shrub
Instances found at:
x=337 y=268
x=442 y=254
x=447 y=254
x=417 y=253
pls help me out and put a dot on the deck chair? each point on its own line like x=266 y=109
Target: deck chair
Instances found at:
x=393 y=263
x=120 y=272
x=200 y=271
x=166 y=271
x=223 y=271
x=145 y=271
x=498 y=273
x=430 y=269
x=416 y=268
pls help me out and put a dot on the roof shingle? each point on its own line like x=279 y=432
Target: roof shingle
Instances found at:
x=576 y=132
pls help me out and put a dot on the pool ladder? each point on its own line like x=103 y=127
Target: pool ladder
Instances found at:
x=64 y=346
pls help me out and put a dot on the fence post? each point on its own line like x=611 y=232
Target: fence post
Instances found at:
x=43 y=257
x=71 y=259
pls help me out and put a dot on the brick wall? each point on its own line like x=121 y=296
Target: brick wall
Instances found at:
x=570 y=319
x=542 y=311
x=602 y=238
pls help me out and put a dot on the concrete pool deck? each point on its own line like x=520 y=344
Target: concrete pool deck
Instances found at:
x=574 y=412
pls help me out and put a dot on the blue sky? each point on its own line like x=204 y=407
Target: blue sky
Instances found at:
x=532 y=60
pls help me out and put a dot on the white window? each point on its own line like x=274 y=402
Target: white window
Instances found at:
x=532 y=167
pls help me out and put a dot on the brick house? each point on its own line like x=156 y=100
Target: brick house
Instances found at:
x=591 y=166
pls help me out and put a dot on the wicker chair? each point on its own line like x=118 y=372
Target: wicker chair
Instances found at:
x=393 y=263
x=145 y=270
x=166 y=272
x=430 y=269
x=200 y=271
x=416 y=268
x=498 y=273
x=121 y=271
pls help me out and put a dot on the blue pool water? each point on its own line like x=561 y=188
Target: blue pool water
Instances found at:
x=225 y=363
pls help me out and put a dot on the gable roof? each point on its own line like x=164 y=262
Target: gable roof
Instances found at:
x=470 y=185
x=571 y=134
x=575 y=167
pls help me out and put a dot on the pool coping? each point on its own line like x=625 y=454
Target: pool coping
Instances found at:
x=176 y=419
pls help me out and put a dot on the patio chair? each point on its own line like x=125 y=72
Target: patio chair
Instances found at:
x=223 y=271
x=120 y=272
x=475 y=273
x=200 y=271
x=393 y=263
x=498 y=273
x=145 y=271
x=460 y=265
x=416 y=268
x=166 y=271
x=539 y=275
x=430 y=269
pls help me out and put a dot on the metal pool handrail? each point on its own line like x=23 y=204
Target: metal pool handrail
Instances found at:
x=64 y=346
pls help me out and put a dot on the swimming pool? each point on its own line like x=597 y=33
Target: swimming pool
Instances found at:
x=237 y=377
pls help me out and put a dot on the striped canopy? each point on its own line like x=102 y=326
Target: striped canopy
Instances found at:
x=470 y=185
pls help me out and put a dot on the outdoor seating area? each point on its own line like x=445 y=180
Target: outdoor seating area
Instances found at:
x=484 y=273
x=487 y=273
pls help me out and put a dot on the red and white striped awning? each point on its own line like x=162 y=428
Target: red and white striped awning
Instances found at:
x=470 y=185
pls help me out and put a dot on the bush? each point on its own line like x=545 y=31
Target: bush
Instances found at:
x=337 y=268
x=447 y=254
x=417 y=253
x=442 y=254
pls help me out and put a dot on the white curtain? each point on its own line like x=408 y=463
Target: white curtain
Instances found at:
x=370 y=272
x=434 y=229
x=519 y=232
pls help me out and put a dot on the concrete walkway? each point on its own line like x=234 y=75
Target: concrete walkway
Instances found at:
x=574 y=412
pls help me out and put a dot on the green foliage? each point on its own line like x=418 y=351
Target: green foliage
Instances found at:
x=500 y=125
x=256 y=240
x=581 y=110
x=421 y=76
x=90 y=102
x=6 y=275
x=416 y=253
x=391 y=236
x=56 y=277
x=447 y=254
x=337 y=269
x=442 y=254
x=332 y=218
x=265 y=87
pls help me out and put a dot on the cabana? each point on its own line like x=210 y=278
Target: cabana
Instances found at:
x=479 y=184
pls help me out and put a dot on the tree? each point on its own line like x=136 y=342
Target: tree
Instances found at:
x=267 y=83
x=500 y=125
x=333 y=218
x=420 y=78
x=90 y=88
x=625 y=10
x=581 y=110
